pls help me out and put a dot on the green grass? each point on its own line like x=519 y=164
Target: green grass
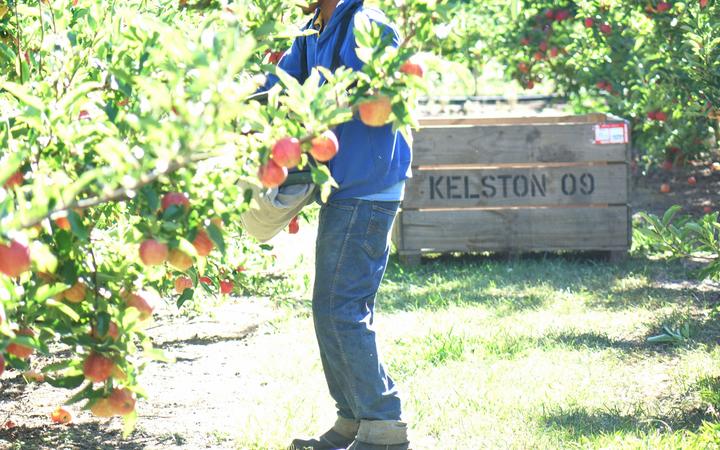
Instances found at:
x=544 y=352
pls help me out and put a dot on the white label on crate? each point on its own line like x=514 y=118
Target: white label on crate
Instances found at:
x=611 y=133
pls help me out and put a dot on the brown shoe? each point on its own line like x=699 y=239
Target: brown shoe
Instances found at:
x=331 y=440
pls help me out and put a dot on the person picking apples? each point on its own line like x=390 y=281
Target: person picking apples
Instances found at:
x=352 y=246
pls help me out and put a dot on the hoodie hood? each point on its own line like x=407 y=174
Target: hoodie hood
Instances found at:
x=343 y=8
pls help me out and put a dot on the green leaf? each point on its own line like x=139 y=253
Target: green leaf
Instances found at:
x=157 y=354
x=66 y=382
x=217 y=237
x=57 y=366
x=151 y=197
x=23 y=94
x=670 y=214
x=102 y=323
x=129 y=422
x=46 y=291
x=77 y=226
x=185 y=296
x=65 y=309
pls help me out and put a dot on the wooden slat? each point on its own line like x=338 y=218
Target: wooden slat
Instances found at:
x=512 y=144
x=517 y=229
x=517 y=187
x=512 y=120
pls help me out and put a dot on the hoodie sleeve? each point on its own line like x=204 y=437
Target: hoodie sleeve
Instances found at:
x=348 y=53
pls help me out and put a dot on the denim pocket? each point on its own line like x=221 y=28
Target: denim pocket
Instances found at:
x=376 y=240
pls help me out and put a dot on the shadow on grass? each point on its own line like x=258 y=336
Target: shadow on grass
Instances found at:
x=535 y=279
x=579 y=422
x=593 y=341
x=210 y=339
x=85 y=436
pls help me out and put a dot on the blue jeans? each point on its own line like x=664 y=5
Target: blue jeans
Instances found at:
x=351 y=256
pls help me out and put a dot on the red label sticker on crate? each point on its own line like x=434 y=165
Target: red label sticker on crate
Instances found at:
x=611 y=133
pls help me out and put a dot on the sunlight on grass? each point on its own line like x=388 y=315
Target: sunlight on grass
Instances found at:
x=537 y=353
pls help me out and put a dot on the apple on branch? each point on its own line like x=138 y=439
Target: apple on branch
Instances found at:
x=153 y=252
x=175 y=198
x=180 y=260
x=272 y=174
x=375 y=111
x=202 y=243
x=14 y=258
x=287 y=152
x=324 y=147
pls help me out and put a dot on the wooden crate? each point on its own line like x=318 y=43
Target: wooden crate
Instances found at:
x=517 y=184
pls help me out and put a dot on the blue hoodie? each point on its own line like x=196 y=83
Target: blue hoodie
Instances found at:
x=370 y=159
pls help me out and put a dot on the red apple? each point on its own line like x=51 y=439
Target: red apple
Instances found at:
x=15 y=179
x=112 y=332
x=63 y=223
x=287 y=152
x=76 y=293
x=61 y=415
x=324 y=147
x=665 y=188
x=525 y=41
x=589 y=22
x=703 y=3
x=174 y=198
x=180 y=260
x=182 y=283
x=376 y=111
x=202 y=243
x=122 y=401
x=97 y=367
x=692 y=181
x=294 y=226
x=411 y=68
x=543 y=46
x=660 y=116
x=142 y=301
x=561 y=15
x=667 y=165
x=153 y=252
x=14 y=259
x=19 y=350
x=707 y=209
x=102 y=408
x=606 y=29
x=205 y=280
x=275 y=57
x=663 y=7
x=226 y=287
x=271 y=174
x=554 y=52
x=523 y=67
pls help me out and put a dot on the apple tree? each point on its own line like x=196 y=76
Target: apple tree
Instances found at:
x=127 y=133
